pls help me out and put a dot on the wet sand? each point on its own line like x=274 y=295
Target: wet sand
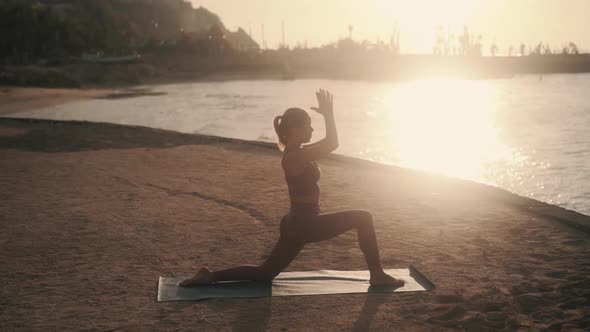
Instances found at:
x=16 y=99
x=92 y=214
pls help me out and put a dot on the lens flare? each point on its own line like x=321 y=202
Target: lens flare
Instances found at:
x=446 y=126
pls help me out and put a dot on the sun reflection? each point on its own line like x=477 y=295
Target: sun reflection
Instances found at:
x=446 y=126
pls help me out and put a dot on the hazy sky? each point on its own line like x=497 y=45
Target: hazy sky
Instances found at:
x=321 y=21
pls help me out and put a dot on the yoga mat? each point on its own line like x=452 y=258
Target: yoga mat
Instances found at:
x=294 y=283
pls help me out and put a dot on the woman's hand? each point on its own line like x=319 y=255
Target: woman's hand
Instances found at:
x=325 y=103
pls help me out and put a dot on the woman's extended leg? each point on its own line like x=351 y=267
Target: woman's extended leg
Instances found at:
x=326 y=226
x=281 y=256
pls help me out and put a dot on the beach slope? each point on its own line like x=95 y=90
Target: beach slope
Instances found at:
x=92 y=214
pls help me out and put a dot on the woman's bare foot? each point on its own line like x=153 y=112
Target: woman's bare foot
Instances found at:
x=383 y=279
x=203 y=277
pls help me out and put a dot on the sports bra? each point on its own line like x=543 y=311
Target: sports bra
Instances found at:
x=304 y=184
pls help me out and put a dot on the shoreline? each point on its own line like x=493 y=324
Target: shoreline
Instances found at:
x=14 y=100
x=18 y=99
x=523 y=200
x=569 y=217
x=188 y=76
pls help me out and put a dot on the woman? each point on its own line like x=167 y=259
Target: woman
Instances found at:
x=304 y=223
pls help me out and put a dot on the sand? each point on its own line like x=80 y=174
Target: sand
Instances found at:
x=92 y=214
x=16 y=99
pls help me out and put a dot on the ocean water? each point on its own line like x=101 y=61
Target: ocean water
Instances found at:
x=527 y=134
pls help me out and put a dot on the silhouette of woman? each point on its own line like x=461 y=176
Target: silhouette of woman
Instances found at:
x=304 y=223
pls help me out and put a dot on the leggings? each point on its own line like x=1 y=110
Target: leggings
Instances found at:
x=305 y=224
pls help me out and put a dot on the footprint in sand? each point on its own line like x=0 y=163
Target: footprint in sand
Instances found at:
x=573 y=303
x=530 y=302
x=492 y=305
x=515 y=231
x=450 y=316
x=523 y=288
x=558 y=274
x=540 y=256
x=496 y=316
x=575 y=242
x=478 y=241
x=449 y=298
x=496 y=320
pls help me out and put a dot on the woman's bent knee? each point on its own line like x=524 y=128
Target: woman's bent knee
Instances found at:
x=364 y=218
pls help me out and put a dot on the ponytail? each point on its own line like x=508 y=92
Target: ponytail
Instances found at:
x=279 y=130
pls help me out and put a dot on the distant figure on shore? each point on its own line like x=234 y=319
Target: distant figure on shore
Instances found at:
x=303 y=223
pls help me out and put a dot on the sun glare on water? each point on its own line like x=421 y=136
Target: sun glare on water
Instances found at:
x=446 y=126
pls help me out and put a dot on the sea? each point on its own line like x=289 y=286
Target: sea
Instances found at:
x=527 y=134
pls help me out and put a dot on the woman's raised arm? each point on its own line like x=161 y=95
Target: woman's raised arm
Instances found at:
x=324 y=146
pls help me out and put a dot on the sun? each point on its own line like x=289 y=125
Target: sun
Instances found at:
x=446 y=126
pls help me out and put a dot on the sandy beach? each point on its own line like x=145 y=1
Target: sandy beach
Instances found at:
x=13 y=99
x=17 y=99
x=92 y=214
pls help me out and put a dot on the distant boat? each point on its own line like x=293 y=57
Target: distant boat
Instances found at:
x=100 y=58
